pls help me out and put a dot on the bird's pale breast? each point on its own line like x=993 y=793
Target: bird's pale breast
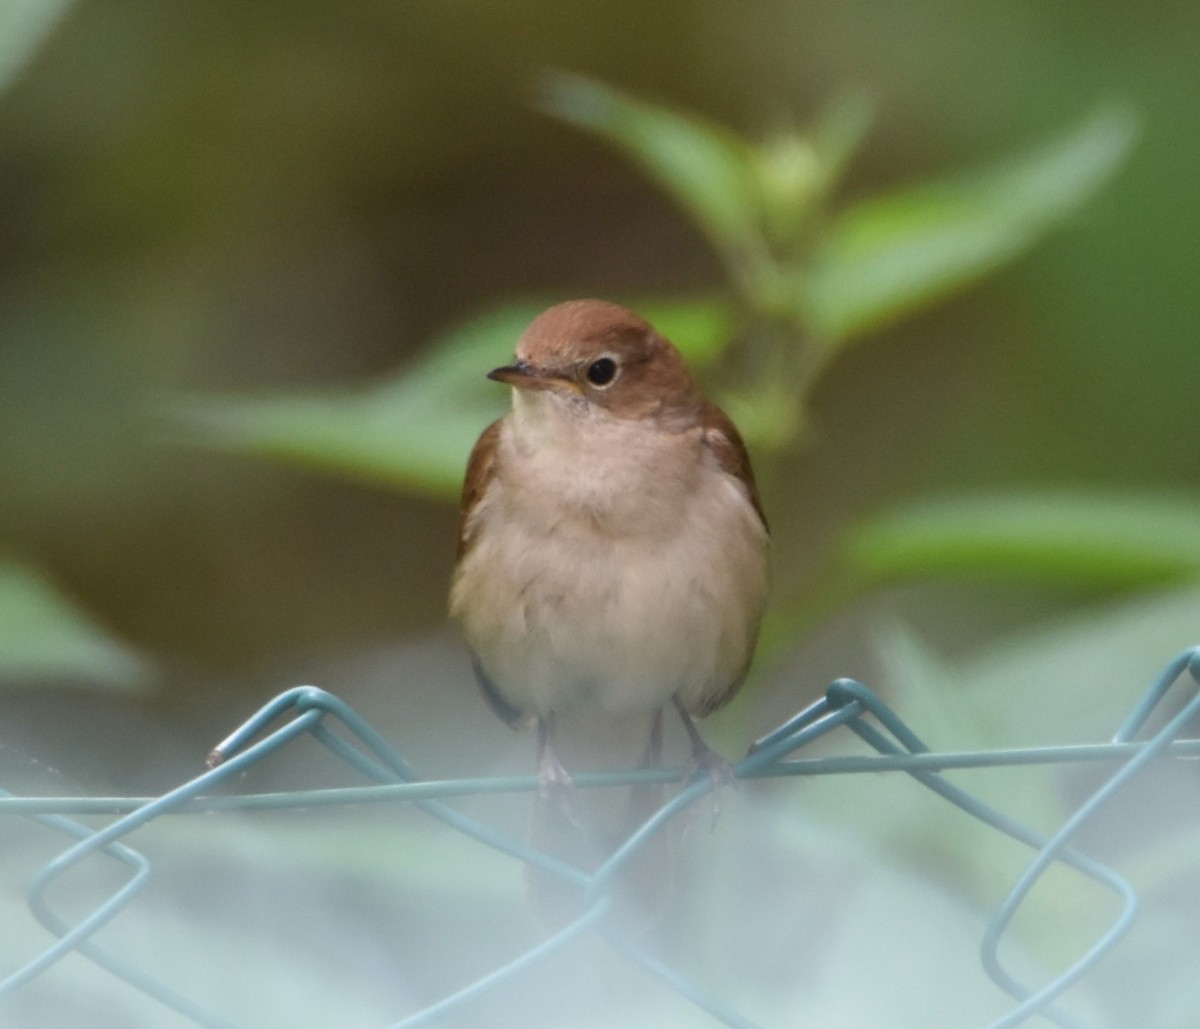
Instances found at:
x=612 y=565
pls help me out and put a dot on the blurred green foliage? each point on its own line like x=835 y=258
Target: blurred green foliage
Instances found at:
x=187 y=214
x=1114 y=541
x=805 y=279
x=414 y=430
x=44 y=637
x=24 y=24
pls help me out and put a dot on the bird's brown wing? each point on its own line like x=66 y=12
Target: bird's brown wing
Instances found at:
x=481 y=469
x=727 y=447
x=725 y=443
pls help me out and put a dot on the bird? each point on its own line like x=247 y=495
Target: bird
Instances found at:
x=612 y=555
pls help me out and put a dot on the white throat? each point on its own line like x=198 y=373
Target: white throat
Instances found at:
x=571 y=459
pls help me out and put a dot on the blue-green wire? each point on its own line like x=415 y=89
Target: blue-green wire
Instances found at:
x=846 y=704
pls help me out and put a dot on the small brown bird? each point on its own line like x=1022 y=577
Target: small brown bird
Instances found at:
x=612 y=553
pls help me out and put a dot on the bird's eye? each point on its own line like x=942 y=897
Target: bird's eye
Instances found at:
x=601 y=371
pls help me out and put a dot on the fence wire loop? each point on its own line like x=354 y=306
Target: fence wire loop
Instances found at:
x=846 y=704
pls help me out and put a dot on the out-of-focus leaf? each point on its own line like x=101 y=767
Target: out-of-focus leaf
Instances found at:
x=414 y=430
x=1072 y=680
x=853 y=884
x=796 y=171
x=1076 y=679
x=1092 y=539
x=24 y=25
x=924 y=685
x=839 y=132
x=701 y=327
x=705 y=167
x=888 y=256
x=931 y=694
x=767 y=417
x=45 y=637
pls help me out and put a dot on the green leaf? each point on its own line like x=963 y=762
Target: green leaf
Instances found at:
x=796 y=171
x=924 y=686
x=45 y=637
x=701 y=327
x=1077 y=677
x=929 y=692
x=1068 y=680
x=414 y=430
x=767 y=415
x=889 y=256
x=839 y=132
x=24 y=25
x=704 y=166
x=1108 y=540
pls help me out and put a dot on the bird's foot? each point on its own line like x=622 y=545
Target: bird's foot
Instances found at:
x=555 y=785
x=706 y=760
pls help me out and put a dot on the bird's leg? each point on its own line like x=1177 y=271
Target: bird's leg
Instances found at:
x=703 y=756
x=645 y=798
x=554 y=781
x=653 y=756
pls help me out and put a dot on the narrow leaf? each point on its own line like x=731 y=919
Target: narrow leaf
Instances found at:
x=46 y=637
x=1105 y=540
x=413 y=430
x=24 y=26
x=705 y=167
x=701 y=327
x=887 y=257
x=840 y=130
x=1076 y=677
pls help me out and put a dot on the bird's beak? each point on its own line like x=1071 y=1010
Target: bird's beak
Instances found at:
x=523 y=375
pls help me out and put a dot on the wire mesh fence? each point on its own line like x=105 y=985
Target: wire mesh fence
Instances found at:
x=846 y=707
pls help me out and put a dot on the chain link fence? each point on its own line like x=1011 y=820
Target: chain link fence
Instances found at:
x=846 y=707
